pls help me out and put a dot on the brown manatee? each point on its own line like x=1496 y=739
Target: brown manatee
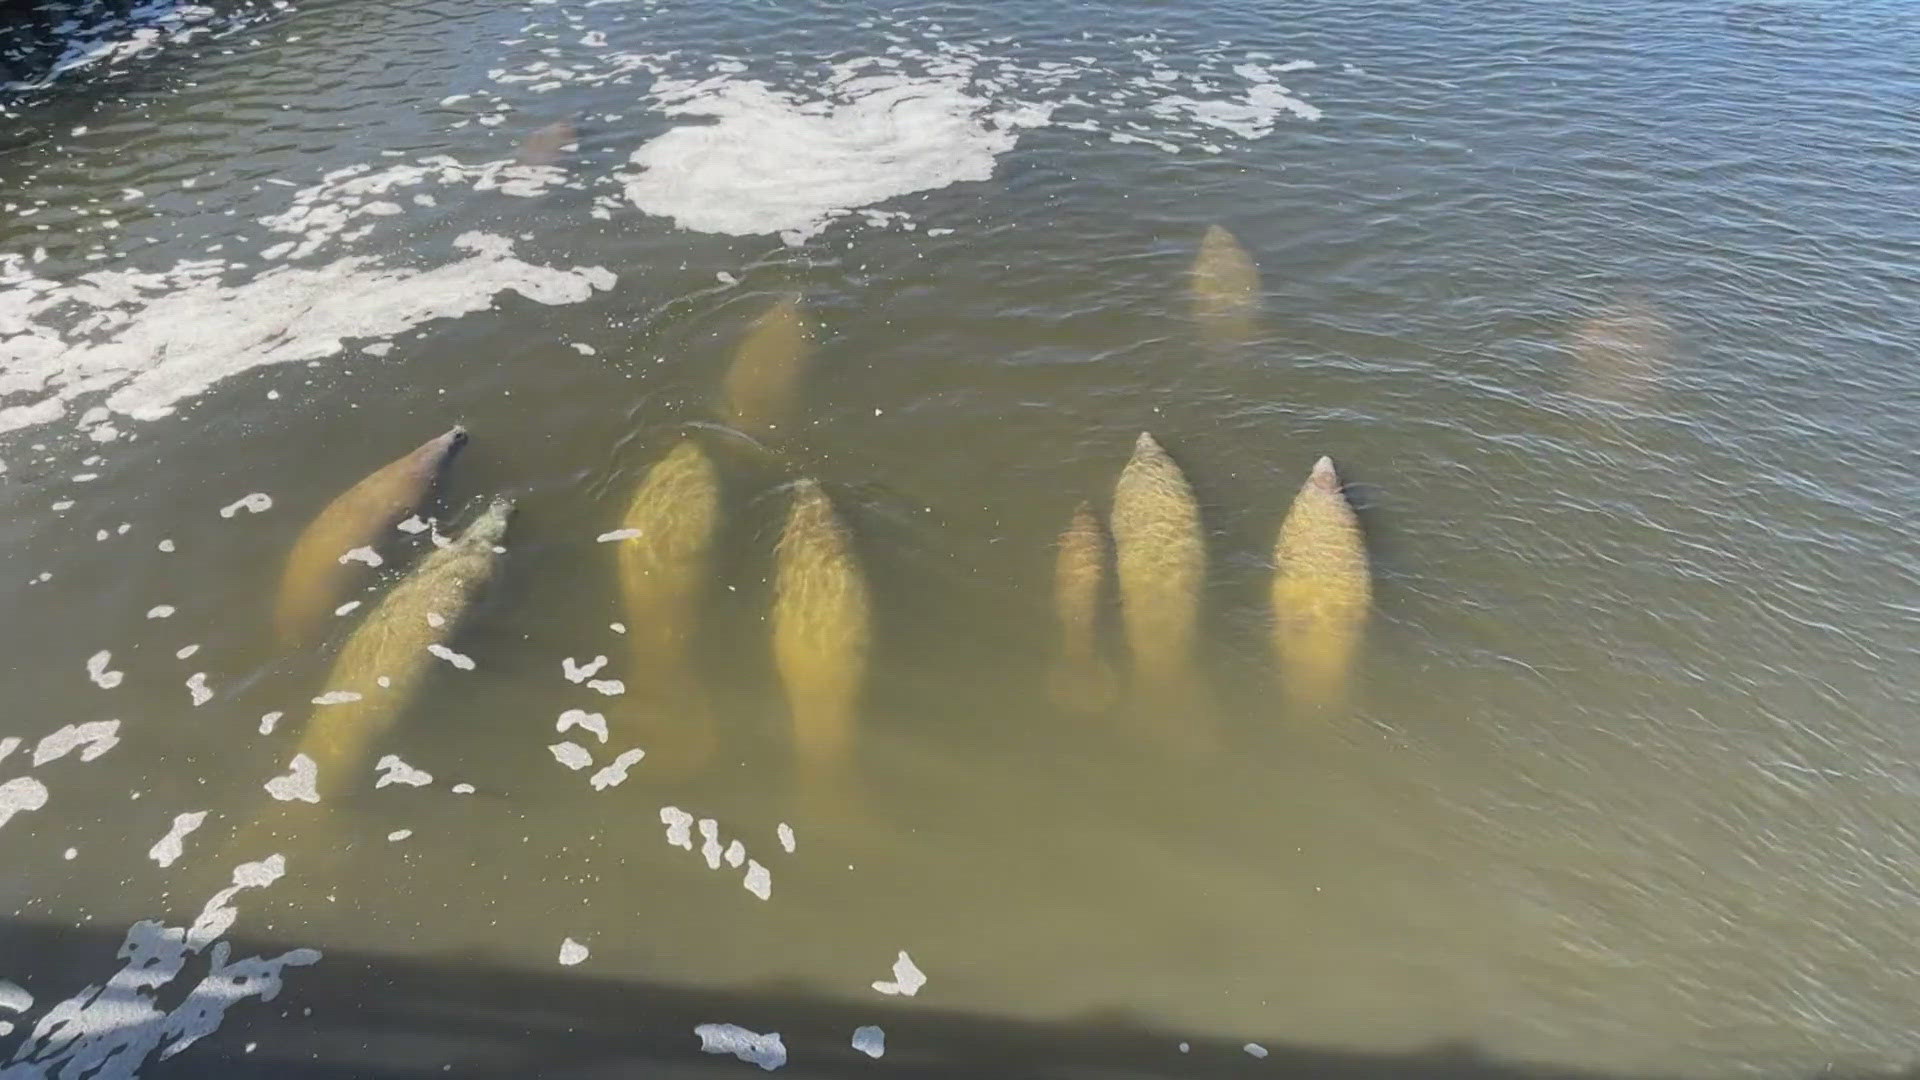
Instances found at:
x=547 y=145
x=1161 y=556
x=1081 y=680
x=1621 y=352
x=315 y=574
x=768 y=364
x=1321 y=590
x=663 y=572
x=821 y=636
x=1224 y=286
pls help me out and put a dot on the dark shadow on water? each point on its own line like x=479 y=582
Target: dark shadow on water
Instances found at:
x=376 y=1016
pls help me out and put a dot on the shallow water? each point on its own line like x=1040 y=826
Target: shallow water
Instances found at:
x=1605 y=312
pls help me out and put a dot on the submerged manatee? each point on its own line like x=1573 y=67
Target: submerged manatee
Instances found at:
x=767 y=367
x=311 y=584
x=820 y=631
x=663 y=573
x=1225 y=288
x=1622 y=352
x=392 y=643
x=1081 y=678
x=547 y=145
x=1161 y=555
x=1321 y=590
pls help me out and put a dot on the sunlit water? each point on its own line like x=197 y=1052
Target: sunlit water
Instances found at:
x=1606 y=312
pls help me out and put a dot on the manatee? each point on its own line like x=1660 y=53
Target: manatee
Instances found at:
x=314 y=578
x=821 y=631
x=1161 y=556
x=1225 y=288
x=1081 y=679
x=1621 y=352
x=767 y=367
x=547 y=145
x=392 y=643
x=1321 y=590
x=663 y=574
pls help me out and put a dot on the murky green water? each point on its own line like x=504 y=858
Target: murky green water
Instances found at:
x=1605 y=313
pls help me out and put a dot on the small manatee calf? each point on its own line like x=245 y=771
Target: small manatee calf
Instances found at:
x=763 y=380
x=1081 y=680
x=1322 y=589
x=821 y=634
x=547 y=145
x=663 y=572
x=380 y=667
x=1161 y=557
x=1224 y=286
x=314 y=579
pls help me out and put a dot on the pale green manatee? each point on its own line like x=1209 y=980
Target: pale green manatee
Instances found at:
x=663 y=573
x=1161 y=555
x=821 y=633
x=373 y=679
x=767 y=367
x=315 y=577
x=1321 y=590
x=1081 y=679
x=546 y=145
x=1225 y=289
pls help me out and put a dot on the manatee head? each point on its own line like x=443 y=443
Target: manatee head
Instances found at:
x=491 y=525
x=1324 y=477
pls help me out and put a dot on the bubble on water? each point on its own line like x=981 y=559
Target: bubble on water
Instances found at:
x=609 y=687
x=362 y=554
x=459 y=660
x=346 y=608
x=571 y=754
x=398 y=835
x=19 y=795
x=170 y=846
x=92 y=739
x=576 y=672
x=197 y=686
x=395 y=771
x=907 y=978
x=1255 y=1050
x=766 y=1051
x=679 y=825
x=572 y=952
x=165 y=545
x=870 y=1041
x=462 y=789
x=258 y=502
x=337 y=697
x=785 y=832
x=160 y=611
x=97 y=670
x=572 y=718
x=185 y=651
x=618 y=628
x=301 y=782
x=615 y=772
x=619 y=534
x=710 y=842
x=268 y=721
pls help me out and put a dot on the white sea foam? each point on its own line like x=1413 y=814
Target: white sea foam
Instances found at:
x=766 y=1051
x=572 y=718
x=870 y=1040
x=337 y=697
x=268 y=720
x=98 y=672
x=572 y=952
x=301 y=782
x=786 y=837
x=758 y=880
x=459 y=660
x=110 y=1031
x=197 y=686
x=907 y=978
x=581 y=672
x=19 y=795
x=615 y=772
x=171 y=845
x=149 y=341
x=92 y=739
x=395 y=771
x=258 y=502
x=571 y=754
x=679 y=825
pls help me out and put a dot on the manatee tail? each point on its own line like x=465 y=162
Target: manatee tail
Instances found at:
x=729 y=441
x=1315 y=669
x=1082 y=684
